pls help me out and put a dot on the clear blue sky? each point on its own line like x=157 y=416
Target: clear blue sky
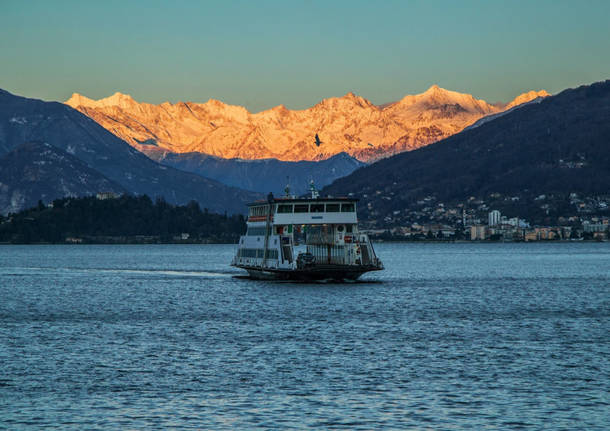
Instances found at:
x=263 y=53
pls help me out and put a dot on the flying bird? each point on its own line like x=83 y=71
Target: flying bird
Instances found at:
x=318 y=142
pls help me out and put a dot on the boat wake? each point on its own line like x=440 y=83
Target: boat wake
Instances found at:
x=159 y=272
x=300 y=282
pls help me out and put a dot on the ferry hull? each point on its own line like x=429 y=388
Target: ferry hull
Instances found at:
x=318 y=272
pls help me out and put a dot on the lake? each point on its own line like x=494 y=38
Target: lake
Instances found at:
x=449 y=336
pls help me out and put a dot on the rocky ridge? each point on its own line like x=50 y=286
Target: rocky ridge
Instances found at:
x=350 y=124
x=24 y=120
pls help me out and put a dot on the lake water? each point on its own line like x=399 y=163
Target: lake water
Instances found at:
x=449 y=336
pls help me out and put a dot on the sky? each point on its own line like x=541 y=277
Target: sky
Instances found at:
x=260 y=54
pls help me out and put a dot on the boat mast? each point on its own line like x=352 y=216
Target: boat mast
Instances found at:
x=312 y=188
x=267 y=227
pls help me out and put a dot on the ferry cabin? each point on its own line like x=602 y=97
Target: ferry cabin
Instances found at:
x=291 y=233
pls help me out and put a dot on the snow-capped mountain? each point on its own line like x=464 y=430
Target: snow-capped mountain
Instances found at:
x=552 y=146
x=348 y=124
x=24 y=120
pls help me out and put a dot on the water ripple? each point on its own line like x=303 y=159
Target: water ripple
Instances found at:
x=450 y=336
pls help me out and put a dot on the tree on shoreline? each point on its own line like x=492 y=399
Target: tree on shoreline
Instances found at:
x=92 y=220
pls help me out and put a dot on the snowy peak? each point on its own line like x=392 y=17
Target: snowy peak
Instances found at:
x=527 y=97
x=348 y=123
x=79 y=100
x=437 y=97
x=117 y=99
x=216 y=109
x=355 y=98
x=435 y=92
x=348 y=101
x=440 y=96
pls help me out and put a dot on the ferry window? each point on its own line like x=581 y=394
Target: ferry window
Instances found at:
x=301 y=208
x=347 y=208
x=348 y=228
x=340 y=228
x=282 y=209
x=259 y=211
x=317 y=208
x=332 y=208
x=257 y=231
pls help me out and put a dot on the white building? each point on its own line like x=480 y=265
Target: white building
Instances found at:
x=102 y=196
x=494 y=218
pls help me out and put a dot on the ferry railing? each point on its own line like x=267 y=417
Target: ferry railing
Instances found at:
x=319 y=239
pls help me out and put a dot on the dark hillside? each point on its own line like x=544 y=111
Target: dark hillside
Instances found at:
x=36 y=171
x=560 y=145
x=264 y=176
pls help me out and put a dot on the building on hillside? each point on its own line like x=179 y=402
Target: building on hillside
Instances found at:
x=506 y=232
x=494 y=218
x=478 y=232
x=547 y=233
x=594 y=227
x=531 y=235
x=106 y=195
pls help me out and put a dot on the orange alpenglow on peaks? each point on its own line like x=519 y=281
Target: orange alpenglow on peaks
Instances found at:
x=117 y=99
x=527 y=97
x=350 y=124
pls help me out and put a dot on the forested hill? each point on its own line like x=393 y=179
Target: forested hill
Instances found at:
x=560 y=145
x=124 y=219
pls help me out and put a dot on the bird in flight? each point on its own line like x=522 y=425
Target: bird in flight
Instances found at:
x=318 y=142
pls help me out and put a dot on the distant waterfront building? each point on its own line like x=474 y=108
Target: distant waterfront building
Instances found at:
x=478 y=232
x=106 y=195
x=594 y=227
x=494 y=218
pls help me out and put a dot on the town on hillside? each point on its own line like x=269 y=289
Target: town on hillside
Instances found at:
x=552 y=218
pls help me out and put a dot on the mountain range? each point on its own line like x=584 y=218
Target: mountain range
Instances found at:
x=349 y=124
x=261 y=175
x=534 y=144
x=82 y=156
x=560 y=145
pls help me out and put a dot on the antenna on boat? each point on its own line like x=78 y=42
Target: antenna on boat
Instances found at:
x=312 y=189
x=287 y=188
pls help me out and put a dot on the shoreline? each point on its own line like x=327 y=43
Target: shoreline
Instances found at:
x=551 y=241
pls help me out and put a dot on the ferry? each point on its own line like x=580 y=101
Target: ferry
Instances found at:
x=305 y=238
